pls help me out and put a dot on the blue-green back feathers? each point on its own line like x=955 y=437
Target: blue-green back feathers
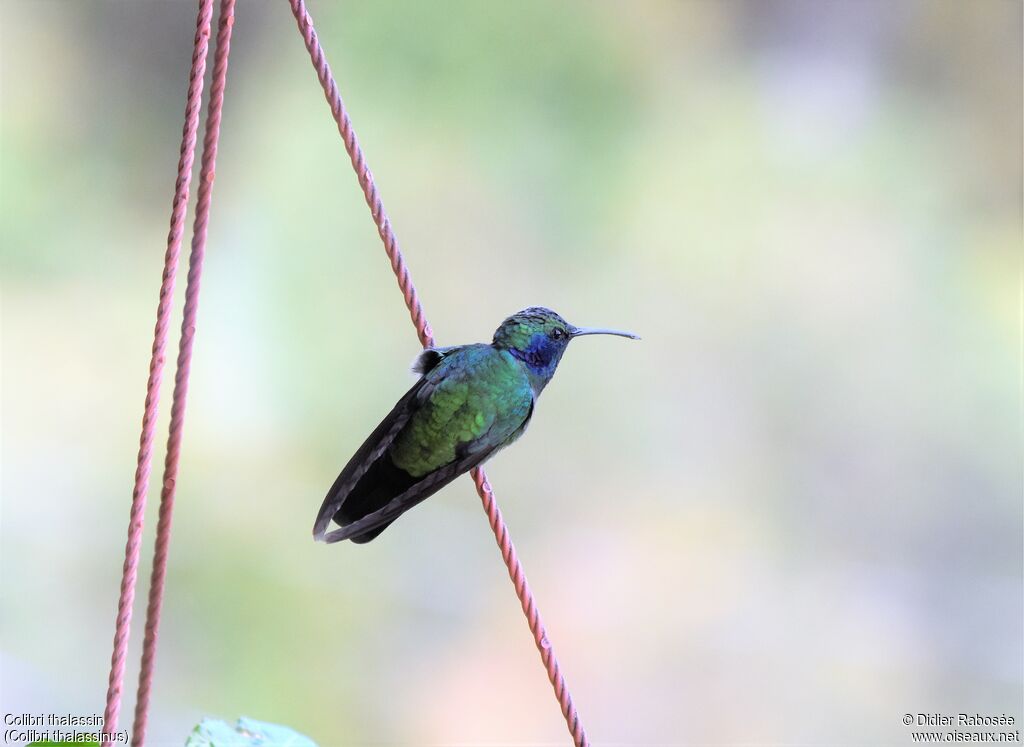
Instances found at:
x=470 y=402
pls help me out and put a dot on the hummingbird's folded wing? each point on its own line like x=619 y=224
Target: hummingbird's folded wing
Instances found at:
x=427 y=486
x=371 y=450
x=381 y=437
x=401 y=503
x=464 y=411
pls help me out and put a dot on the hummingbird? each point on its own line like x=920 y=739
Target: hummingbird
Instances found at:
x=469 y=402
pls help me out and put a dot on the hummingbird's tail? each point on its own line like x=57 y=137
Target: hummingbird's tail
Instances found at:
x=362 y=521
x=366 y=483
x=380 y=483
x=372 y=490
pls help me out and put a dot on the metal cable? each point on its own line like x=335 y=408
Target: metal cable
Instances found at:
x=129 y=573
x=355 y=153
x=540 y=635
x=425 y=334
x=207 y=170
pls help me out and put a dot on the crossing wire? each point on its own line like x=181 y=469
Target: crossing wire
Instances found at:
x=423 y=331
x=144 y=461
x=207 y=171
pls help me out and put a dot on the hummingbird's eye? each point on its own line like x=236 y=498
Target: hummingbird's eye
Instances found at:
x=557 y=333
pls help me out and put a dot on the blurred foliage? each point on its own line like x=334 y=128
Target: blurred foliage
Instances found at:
x=246 y=733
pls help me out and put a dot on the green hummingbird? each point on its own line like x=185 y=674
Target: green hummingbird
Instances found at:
x=469 y=402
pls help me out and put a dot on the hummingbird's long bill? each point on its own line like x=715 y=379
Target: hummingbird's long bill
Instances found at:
x=580 y=331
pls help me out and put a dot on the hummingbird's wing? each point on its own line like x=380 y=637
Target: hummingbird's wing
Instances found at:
x=466 y=407
x=367 y=455
x=378 y=441
x=372 y=524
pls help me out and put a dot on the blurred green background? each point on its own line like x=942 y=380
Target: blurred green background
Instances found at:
x=790 y=515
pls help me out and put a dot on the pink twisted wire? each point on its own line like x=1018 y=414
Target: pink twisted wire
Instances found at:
x=423 y=330
x=129 y=573
x=355 y=153
x=540 y=635
x=184 y=365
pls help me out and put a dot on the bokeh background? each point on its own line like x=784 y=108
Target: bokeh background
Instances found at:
x=790 y=515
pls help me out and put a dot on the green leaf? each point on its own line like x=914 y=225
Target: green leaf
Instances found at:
x=246 y=733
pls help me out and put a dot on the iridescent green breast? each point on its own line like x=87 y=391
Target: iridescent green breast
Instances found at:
x=477 y=398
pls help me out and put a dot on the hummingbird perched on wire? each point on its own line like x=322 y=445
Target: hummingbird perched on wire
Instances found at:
x=469 y=402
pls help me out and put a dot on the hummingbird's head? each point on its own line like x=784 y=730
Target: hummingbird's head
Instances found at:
x=538 y=337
